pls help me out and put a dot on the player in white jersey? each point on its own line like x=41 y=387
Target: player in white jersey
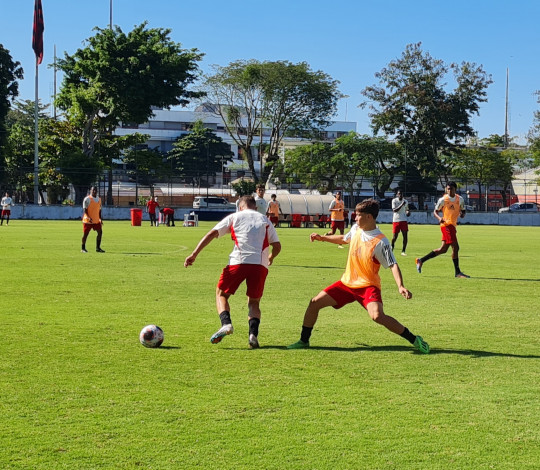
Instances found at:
x=259 y=199
x=6 y=203
x=253 y=235
x=400 y=208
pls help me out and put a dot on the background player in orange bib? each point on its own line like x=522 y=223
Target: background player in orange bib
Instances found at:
x=273 y=209
x=451 y=207
x=337 y=217
x=92 y=219
x=369 y=249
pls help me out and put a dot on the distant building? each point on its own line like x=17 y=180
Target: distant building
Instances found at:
x=166 y=126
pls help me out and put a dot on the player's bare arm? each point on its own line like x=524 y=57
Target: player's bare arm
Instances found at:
x=437 y=216
x=396 y=272
x=276 y=248
x=336 y=239
x=205 y=241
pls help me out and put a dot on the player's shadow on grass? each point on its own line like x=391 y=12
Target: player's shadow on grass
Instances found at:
x=434 y=351
x=507 y=279
x=170 y=347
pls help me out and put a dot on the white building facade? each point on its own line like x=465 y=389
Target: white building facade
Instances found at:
x=166 y=126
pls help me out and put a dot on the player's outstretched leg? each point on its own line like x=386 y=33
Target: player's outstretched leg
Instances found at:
x=253 y=342
x=421 y=345
x=221 y=333
x=419 y=265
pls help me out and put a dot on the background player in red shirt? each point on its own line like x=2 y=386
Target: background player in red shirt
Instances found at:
x=169 y=213
x=151 y=207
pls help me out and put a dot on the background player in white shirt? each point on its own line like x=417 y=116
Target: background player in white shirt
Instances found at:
x=7 y=202
x=253 y=235
x=259 y=199
x=400 y=207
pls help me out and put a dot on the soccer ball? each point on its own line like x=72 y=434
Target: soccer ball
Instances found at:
x=151 y=336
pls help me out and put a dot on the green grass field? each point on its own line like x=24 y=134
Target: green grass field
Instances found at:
x=78 y=391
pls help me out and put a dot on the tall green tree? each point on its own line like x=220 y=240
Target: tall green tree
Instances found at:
x=412 y=103
x=19 y=149
x=267 y=100
x=534 y=136
x=374 y=158
x=314 y=165
x=199 y=154
x=146 y=166
x=119 y=77
x=10 y=72
x=484 y=167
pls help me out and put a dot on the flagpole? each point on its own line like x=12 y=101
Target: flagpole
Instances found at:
x=37 y=45
x=36 y=136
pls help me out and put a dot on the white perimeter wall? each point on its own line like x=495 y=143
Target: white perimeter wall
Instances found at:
x=296 y=203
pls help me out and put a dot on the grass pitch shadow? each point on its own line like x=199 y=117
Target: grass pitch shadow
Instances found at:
x=434 y=351
x=506 y=279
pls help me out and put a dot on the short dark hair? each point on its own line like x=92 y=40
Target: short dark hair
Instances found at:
x=249 y=201
x=369 y=206
x=452 y=184
x=273 y=196
x=261 y=186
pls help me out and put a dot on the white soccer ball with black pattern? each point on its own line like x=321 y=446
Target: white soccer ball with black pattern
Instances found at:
x=151 y=336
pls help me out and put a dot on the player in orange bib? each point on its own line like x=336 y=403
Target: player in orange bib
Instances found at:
x=92 y=219
x=369 y=249
x=337 y=209
x=452 y=207
x=273 y=209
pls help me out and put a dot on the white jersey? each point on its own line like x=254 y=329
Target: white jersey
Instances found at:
x=383 y=250
x=440 y=202
x=87 y=199
x=261 y=205
x=401 y=214
x=7 y=202
x=252 y=234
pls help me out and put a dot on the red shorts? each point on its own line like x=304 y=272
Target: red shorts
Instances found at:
x=87 y=228
x=6 y=212
x=344 y=295
x=274 y=219
x=337 y=225
x=400 y=227
x=449 y=235
x=253 y=274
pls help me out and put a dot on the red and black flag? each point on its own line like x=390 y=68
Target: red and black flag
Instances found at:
x=39 y=27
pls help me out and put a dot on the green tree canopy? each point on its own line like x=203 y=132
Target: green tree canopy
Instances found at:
x=119 y=77
x=414 y=105
x=345 y=163
x=10 y=72
x=484 y=166
x=199 y=154
x=534 y=136
x=268 y=100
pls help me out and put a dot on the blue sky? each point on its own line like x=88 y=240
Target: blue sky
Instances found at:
x=350 y=40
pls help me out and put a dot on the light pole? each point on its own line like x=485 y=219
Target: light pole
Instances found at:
x=345 y=97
